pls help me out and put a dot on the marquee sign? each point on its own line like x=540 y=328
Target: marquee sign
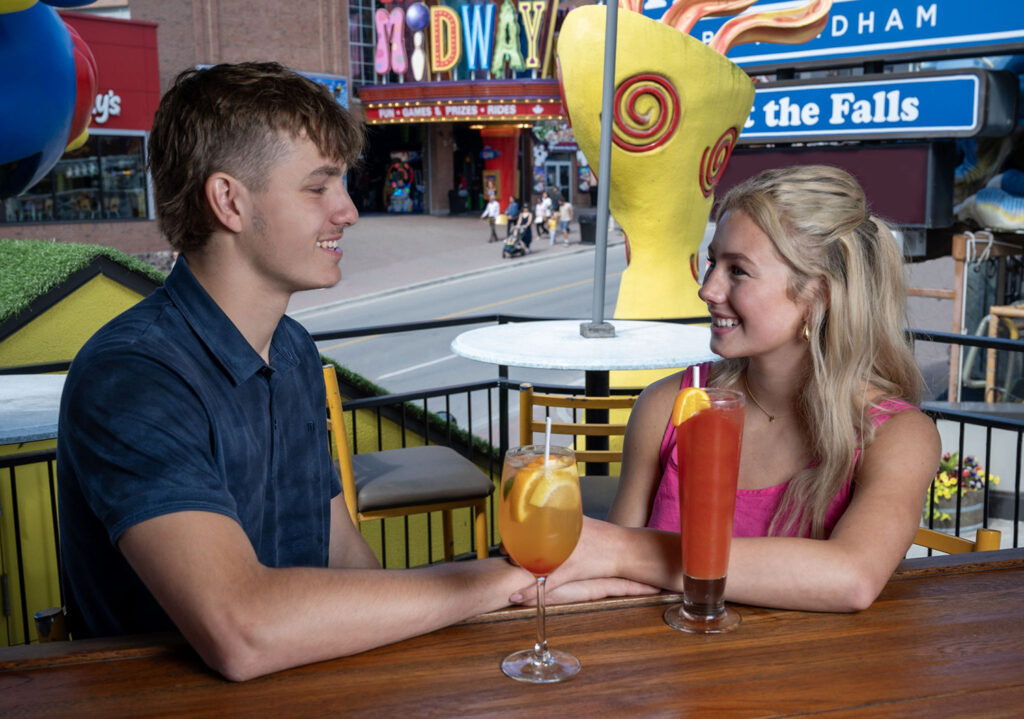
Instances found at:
x=463 y=39
x=863 y=30
x=469 y=111
x=963 y=103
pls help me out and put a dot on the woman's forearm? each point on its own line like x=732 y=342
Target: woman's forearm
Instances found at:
x=789 y=573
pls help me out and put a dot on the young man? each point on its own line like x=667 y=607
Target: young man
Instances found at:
x=196 y=489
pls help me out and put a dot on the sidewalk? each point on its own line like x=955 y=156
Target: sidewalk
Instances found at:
x=387 y=253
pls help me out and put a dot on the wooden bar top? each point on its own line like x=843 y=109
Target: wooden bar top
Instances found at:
x=945 y=638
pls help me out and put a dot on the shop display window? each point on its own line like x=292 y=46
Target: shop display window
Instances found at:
x=361 y=41
x=103 y=180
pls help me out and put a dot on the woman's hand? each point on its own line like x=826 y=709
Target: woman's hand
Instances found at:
x=591 y=570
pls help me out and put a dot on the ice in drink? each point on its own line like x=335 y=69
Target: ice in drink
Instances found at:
x=540 y=519
x=539 y=515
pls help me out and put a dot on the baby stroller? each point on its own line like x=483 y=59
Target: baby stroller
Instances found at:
x=517 y=244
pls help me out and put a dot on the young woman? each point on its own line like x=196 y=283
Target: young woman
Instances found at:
x=523 y=225
x=807 y=298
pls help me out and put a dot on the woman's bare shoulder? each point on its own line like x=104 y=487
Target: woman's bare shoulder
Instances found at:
x=906 y=437
x=664 y=387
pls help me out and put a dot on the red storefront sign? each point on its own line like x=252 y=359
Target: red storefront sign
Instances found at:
x=128 y=88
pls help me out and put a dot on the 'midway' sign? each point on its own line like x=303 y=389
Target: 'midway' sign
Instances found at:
x=885 y=30
x=963 y=103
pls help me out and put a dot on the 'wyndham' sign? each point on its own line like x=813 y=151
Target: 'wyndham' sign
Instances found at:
x=881 y=30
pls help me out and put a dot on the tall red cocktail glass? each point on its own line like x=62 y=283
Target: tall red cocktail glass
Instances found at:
x=708 y=453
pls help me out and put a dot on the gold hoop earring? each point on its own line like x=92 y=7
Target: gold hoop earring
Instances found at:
x=806 y=333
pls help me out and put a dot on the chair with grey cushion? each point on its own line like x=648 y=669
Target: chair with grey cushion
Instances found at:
x=410 y=480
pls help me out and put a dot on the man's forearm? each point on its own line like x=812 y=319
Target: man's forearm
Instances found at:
x=302 y=615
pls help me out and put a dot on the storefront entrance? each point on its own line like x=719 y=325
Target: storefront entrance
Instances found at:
x=558 y=176
x=390 y=175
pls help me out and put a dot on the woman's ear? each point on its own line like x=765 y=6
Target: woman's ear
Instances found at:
x=817 y=290
x=228 y=199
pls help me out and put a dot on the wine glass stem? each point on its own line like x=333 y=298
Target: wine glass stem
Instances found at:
x=540 y=649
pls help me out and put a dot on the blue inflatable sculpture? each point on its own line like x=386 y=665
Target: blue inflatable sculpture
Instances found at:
x=47 y=87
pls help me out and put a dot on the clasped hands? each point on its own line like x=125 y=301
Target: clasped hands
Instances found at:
x=591 y=572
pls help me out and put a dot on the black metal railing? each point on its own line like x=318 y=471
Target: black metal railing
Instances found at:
x=22 y=477
x=997 y=504
x=428 y=415
x=1006 y=418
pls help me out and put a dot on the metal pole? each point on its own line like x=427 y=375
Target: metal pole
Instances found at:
x=598 y=327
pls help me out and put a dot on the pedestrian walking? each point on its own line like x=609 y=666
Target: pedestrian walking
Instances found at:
x=538 y=215
x=512 y=215
x=523 y=227
x=564 y=218
x=546 y=203
x=491 y=213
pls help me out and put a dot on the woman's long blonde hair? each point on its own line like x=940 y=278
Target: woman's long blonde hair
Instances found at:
x=817 y=218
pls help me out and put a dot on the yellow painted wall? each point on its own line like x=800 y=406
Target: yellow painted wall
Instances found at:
x=39 y=553
x=57 y=334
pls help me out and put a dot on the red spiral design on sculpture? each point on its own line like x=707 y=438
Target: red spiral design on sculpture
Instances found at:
x=714 y=159
x=638 y=125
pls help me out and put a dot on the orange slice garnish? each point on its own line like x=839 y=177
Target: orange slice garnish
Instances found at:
x=689 y=402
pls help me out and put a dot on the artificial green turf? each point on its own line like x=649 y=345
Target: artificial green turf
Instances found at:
x=31 y=268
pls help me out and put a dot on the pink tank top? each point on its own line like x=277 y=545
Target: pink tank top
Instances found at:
x=754 y=507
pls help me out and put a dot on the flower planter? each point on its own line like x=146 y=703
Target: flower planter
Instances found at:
x=972 y=512
x=968 y=478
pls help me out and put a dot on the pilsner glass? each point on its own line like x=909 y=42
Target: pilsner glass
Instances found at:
x=708 y=452
x=540 y=519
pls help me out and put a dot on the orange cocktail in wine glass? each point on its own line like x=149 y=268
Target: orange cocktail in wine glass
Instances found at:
x=540 y=519
x=709 y=427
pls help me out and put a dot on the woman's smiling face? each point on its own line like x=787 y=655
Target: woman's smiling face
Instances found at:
x=746 y=289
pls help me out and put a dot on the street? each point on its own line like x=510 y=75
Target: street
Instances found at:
x=560 y=287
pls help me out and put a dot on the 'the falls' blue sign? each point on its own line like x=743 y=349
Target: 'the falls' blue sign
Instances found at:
x=863 y=30
x=881 y=107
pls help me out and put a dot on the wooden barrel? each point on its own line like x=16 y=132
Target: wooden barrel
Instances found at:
x=972 y=512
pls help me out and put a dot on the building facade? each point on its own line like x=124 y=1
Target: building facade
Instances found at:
x=100 y=193
x=461 y=98
x=463 y=102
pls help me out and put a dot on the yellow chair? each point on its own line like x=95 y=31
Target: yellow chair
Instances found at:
x=410 y=480
x=986 y=540
x=598 y=491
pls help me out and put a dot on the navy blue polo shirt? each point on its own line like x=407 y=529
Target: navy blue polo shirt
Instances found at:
x=167 y=409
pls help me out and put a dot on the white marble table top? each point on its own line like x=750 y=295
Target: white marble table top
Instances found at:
x=557 y=344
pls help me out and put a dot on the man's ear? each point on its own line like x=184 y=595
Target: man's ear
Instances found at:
x=228 y=199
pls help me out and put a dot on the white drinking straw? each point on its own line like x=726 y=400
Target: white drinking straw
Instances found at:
x=547 y=441
x=696 y=376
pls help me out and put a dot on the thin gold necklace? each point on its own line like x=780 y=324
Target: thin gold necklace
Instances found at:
x=771 y=417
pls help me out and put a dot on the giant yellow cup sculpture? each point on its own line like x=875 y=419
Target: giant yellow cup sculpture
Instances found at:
x=679 y=107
